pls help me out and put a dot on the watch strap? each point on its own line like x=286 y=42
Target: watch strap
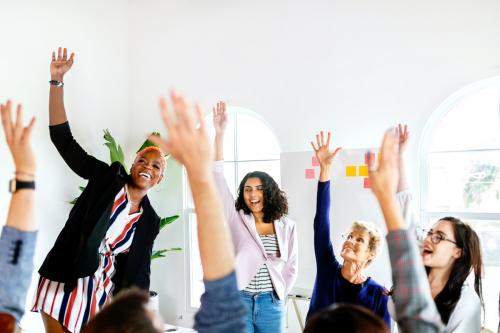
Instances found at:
x=56 y=83
x=16 y=185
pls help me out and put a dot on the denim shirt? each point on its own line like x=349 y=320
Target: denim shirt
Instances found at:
x=222 y=309
x=16 y=267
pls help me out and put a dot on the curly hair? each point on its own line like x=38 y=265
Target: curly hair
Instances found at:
x=275 y=201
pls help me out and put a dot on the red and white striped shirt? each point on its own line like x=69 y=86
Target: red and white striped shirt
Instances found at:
x=73 y=310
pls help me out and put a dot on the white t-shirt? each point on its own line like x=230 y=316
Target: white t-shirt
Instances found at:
x=465 y=318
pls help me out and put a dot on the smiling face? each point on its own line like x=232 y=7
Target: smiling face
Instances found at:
x=253 y=194
x=147 y=170
x=443 y=254
x=356 y=247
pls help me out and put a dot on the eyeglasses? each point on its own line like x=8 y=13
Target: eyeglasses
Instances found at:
x=351 y=238
x=436 y=236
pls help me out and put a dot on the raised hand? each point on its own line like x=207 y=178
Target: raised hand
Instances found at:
x=60 y=64
x=220 y=118
x=187 y=142
x=190 y=145
x=384 y=177
x=403 y=134
x=324 y=155
x=322 y=149
x=18 y=140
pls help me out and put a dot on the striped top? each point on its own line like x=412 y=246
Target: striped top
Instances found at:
x=261 y=282
x=74 y=309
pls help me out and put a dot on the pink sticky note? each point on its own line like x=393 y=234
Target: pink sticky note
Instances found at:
x=366 y=183
x=309 y=173
x=315 y=161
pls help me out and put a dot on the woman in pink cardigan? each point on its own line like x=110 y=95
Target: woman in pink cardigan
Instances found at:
x=265 y=240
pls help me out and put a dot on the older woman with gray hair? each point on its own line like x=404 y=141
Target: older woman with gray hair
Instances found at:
x=343 y=282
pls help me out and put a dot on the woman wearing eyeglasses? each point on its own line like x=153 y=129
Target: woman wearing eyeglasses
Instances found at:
x=343 y=282
x=450 y=252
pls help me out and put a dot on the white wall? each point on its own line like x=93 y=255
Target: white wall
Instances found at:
x=96 y=93
x=354 y=67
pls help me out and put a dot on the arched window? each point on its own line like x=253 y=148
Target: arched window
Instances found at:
x=250 y=145
x=460 y=173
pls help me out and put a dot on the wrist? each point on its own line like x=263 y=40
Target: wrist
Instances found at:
x=25 y=175
x=57 y=77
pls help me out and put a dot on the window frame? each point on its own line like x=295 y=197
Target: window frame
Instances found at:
x=438 y=115
x=427 y=214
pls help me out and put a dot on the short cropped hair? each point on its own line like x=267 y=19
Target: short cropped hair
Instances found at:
x=374 y=235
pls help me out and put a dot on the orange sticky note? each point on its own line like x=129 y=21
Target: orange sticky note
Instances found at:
x=363 y=170
x=350 y=171
x=315 y=161
x=309 y=173
x=366 y=183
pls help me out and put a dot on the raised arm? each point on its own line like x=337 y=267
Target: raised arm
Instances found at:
x=73 y=154
x=221 y=307
x=191 y=147
x=18 y=239
x=322 y=243
x=59 y=66
x=415 y=308
x=404 y=195
x=220 y=124
x=403 y=134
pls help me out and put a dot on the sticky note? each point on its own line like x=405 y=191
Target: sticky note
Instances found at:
x=369 y=157
x=350 y=171
x=366 y=183
x=363 y=170
x=315 y=161
x=309 y=173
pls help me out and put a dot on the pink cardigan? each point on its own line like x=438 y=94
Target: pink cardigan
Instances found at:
x=249 y=251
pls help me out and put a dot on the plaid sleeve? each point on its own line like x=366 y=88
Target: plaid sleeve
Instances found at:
x=415 y=308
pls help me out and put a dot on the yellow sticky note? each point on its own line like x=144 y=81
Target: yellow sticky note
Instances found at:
x=363 y=170
x=350 y=171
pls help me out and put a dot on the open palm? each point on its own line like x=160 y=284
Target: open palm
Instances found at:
x=60 y=64
x=322 y=149
x=403 y=134
x=220 y=117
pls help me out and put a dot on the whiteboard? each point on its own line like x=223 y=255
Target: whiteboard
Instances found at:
x=350 y=201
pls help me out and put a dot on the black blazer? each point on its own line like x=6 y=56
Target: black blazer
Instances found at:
x=75 y=253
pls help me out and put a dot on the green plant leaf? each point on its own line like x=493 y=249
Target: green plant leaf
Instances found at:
x=149 y=143
x=167 y=220
x=115 y=150
x=72 y=202
x=161 y=253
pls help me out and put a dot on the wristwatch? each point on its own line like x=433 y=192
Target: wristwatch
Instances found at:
x=56 y=83
x=16 y=185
